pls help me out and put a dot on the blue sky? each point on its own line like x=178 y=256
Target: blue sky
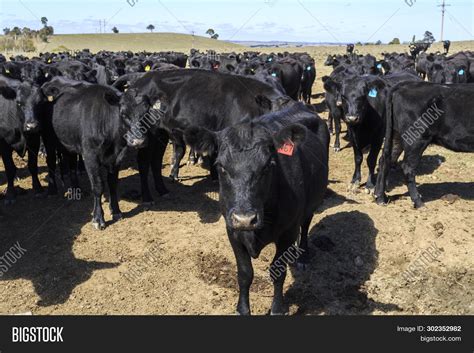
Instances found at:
x=262 y=20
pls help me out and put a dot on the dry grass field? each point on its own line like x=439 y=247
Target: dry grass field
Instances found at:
x=180 y=249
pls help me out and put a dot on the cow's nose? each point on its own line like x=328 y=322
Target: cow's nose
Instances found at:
x=244 y=220
x=136 y=143
x=352 y=118
x=30 y=126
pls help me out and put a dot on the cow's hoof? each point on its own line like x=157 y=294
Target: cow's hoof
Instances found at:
x=238 y=313
x=98 y=225
x=117 y=217
x=420 y=205
x=382 y=200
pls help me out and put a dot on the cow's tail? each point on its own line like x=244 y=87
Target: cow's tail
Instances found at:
x=385 y=161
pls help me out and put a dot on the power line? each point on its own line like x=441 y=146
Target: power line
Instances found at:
x=443 y=11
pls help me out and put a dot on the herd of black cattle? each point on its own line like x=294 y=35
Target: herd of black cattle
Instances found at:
x=248 y=115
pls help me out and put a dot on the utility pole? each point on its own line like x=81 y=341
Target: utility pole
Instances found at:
x=443 y=11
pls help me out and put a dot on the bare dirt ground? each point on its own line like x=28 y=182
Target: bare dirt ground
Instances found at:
x=175 y=258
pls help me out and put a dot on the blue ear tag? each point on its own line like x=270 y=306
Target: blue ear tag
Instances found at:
x=309 y=68
x=373 y=93
x=379 y=66
x=274 y=74
x=461 y=72
x=270 y=59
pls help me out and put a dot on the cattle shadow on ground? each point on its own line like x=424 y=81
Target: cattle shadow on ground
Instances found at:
x=343 y=257
x=202 y=197
x=333 y=199
x=428 y=165
x=49 y=262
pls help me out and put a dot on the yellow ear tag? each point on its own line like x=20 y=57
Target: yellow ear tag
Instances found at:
x=50 y=98
x=49 y=61
x=7 y=71
x=147 y=68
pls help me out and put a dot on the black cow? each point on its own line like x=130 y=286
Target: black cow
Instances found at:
x=86 y=121
x=273 y=174
x=363 y=103
x=446 y=46
x=17 y=121
x=307 y=82
x=420 y=114
x=185 y=98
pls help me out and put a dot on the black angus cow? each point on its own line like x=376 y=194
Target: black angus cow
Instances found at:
x=176 y=100
x=446 y=46
x=450 y=70
x=420 y=114
x=273 y=175
x=289 y=73
x=417 y=48
x=17 y=120
x=307 y=82
x=363 y=105
x=350 y=49
x=86 y=121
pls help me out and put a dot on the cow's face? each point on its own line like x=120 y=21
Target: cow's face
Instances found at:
x=29 y=96
x=133 y=108
x=247 y=163
x=354 y=100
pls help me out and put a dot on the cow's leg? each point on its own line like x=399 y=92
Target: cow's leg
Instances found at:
x=337 y=143
x=358 y=159
x=244 y=275
x=192 y=157
x=331 y=123
x=410 y=165
x=80 y=165
x=278 y=270
x=10 y=171
x=93 y=171
x=397 y=150
x=73 y=166
x=51 y=163
x=303 y=259
x=160 y=143
x=112 y=181
x=33 y=151
x=179 y=152
x=143 y=160
x=372 y=164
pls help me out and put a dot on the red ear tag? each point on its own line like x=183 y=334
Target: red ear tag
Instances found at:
x=287 y=149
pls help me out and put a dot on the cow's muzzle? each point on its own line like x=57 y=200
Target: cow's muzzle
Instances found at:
x=136 y=142
x=31 y=126
x=352 y=119
x=245 y=221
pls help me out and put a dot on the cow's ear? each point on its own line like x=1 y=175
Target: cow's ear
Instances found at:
x=201 y=140
x=264 y=102
x=51 y=93
x=7 y=92
x=331 y=86
x=293 y=135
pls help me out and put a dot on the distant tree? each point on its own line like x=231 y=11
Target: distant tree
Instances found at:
x=429 y=37
x=379 y=42
x=115 y=30
x=359 y=43
x=210 y=32
x=150 y=28
x=395 y=41
x=26 y=32
x=45 y=32
x=6 y=31
x=44 y=21
x=215 y=36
